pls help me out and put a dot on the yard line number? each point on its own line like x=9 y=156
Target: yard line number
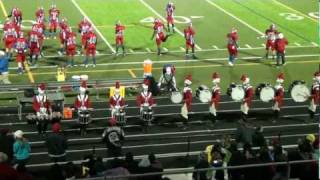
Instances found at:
x=296 y=17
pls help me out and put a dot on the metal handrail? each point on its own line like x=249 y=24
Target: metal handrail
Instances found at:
x=184 y=171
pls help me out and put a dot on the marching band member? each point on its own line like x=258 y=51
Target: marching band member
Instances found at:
x=116 y=101
x=170 y=16
x=189 y=34
x=187 y=97
x=21 y=48
x=119 y=30
x=42 y=106
x=145 y=97
x=158 y=32
x=270 y=35
x=215 y=99
x=16 y=15
x=315 y=95
x=280 y=47
x=245 y=105
x=82 y=102
x=168 y=78
x=278 y=97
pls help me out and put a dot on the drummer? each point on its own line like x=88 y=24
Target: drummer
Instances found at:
x=167 y=78
x=145 y=97
x=187 y=97
x=215 y=98
x=315 y=95
x=278 y=96
x=82 y=102
x=116 y=100
x=43 y=109
x=246 y=102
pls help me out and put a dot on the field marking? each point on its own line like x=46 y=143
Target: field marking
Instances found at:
x=263 y=45
x=94 y=27
x=297 y=44
x=148 y=50
x=30 y=75
x=131 y=51
x=165 y=49
x=184 y=67
x=132 y=73
x=163 y=19
x=215 y=47
x=235 y=17
x=314 y=44
x=203 y=50
x=248 y=46
x=182 y=49
x=294 y=10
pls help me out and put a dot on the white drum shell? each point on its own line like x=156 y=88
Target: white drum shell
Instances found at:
x=300 y=93
x=267 y=94
x=176 y=97
x=237 y=93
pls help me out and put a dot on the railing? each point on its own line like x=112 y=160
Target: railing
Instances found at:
x=186 y=171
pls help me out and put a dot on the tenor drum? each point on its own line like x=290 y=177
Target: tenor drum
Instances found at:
x=203 y=94
x=176 y=97
x=299 y=91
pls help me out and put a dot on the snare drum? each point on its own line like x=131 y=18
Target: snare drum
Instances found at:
x=299 y=91
x=203 y=94
x=84 y=117
x=176 y=97
x=120 y=116
x=146 y=114
x=265 y=92
x=236 y=92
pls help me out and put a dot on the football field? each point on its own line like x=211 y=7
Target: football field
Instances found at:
x=212 y=20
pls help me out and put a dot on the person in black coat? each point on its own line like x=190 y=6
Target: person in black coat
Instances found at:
x=56 y=144
x=202 y=163
x=6 y=143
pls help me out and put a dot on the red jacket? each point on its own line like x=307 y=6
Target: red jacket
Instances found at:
x=248 y=95
x=82 y=101
x=187 y=97
x=145 y=98
x=278 y=97
x=280 y=45
x=40 y=101
x=315 y=93
x=116 y=100
x=215 y=96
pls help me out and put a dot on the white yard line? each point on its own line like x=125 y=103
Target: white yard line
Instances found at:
x=182 y=49
x=215 y=47
x=314 y=44
x=248 y=46
x=235 y=17
x=148 y=50
x=94 y=27
x=131 y=51
x=297 y=44
x=163 y=19
x=263 y=45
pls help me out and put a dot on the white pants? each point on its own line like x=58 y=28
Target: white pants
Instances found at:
x=213 y=110
x=276 y=107
x=184 y=111
x=312 y=106
x=244 y=108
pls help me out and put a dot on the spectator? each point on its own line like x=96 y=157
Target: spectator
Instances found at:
x=244 y=133
x=155 y=165
x=237 y=159
x=253 y=173
x=267 y=172
x=130 y=163
x=22 y=173
x=220 y=158
x=70 y=171
x=117 y=169
x=258 y=139
x=202 y=163
x=21 y=148
x=6 y=143
x=281 y=170
x=114 y=137
x=56 y=144
x=55 y=172
x=145 y=167
x=6 y=171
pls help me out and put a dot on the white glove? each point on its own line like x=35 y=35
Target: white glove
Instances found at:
x=38 y=114
x=159 y=84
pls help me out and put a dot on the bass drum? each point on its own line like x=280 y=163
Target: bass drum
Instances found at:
x=299 y=91
x=236 y=92
x=265 y=92
x=176 y=97
x=203 y=94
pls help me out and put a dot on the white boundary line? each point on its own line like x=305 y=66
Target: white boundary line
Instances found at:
x=190 y=60
x=94 y=27
x=235 y=17
x=163 y=19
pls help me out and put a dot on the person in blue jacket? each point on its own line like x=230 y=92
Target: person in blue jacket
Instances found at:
x=4 y=71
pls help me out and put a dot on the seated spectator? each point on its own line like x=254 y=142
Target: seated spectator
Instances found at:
x=252 y=173
x=6 y=143
x=70 y=171
x=237 y=159
x=6 y=171
x=56 y=144
x=117 y=169
x=21 y=148
x=23 y=173
x=145 y=167
x=201 y=163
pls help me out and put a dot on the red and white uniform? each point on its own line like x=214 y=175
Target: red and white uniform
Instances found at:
x=82 y=102
x=144 y=98
x=159 y=32
x=39 y=28
x=232 y=47
x=54 y=18
x=116 y=100
x=34 y=43
x=170 y=13
x=71 y=44
x=63 y=31
x=84 y=27
x=21 y=46
x=187 y=97
x=119 y=30
x=280 y=45
x=249 y=93
x=10 y=36
x=315 y=93
x=216 y=92
x=279 y=93
x=271 y=37
x=17 y=16
x=41 y=104
x=189 y=36
x=40 y=15
x=91 y=42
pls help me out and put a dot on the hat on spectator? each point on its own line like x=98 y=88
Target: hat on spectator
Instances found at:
x=56 y=127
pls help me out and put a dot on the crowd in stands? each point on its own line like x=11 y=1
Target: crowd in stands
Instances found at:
x=249 y=147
